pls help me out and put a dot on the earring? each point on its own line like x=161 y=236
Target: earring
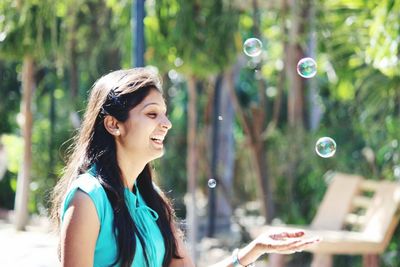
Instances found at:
x=117 y=132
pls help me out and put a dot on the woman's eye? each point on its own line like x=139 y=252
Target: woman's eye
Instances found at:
x=152 y=115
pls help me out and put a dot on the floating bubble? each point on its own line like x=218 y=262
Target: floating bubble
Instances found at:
x=220 y=118
x=212 y=183
x=325 y=147
x=307 y=67
x=252 y=47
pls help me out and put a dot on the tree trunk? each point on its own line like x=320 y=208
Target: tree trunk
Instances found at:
x=295 y=93
x=296 y=83
x=226 y=155
x=191 y=166
x=258 y=150
x=222 y=161
x=212 y=192
x=253 y=133
x=22 y=193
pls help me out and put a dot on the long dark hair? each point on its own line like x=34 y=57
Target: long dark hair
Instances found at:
x=115 y=94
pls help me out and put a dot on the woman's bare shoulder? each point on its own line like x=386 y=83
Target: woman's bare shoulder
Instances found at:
x=82 y=210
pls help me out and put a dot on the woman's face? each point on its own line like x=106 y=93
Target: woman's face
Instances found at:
x=146 y=127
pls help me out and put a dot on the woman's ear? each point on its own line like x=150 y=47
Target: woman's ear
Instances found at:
x=112 y=125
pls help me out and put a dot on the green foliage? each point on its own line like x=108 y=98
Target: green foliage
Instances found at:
x=26 y=28
x=372 y=88
x=384 y=38
x=49 y=133
x=9 y=90
x=7 y=190
x=201 y=34
x=13 y=145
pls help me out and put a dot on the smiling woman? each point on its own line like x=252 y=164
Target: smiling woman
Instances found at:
x=106 y=206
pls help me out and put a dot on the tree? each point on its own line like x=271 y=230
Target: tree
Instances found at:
x=27 y=24
x=22 y=194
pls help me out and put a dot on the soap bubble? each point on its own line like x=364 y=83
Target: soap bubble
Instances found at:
x=307 y=67
x=252 y=47
x=325 y=147
x=212 y=183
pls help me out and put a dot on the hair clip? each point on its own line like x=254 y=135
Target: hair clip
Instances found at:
x=103 y=112
x=114 y=100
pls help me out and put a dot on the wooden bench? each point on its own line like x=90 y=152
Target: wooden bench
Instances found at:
x=356 y=217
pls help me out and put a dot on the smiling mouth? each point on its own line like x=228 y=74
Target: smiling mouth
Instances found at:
x=158 y=141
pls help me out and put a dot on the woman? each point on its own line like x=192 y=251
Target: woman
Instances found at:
x=108 y=210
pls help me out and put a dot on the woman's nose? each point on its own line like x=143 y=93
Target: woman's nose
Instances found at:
x=166 y=123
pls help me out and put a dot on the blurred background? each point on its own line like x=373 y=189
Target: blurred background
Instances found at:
x=241 y=152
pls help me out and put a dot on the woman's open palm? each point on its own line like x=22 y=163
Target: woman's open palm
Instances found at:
x=284 y=242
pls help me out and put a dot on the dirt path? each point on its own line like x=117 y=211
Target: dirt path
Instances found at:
x=35 y=247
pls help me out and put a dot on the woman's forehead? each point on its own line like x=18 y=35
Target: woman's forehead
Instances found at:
x=153 y=98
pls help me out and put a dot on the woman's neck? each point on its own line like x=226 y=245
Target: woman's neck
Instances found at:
x=130 y=167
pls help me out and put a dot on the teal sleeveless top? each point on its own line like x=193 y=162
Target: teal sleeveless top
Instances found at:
x=144 y=217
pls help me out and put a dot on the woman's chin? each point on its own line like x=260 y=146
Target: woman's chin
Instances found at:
x=158 y=153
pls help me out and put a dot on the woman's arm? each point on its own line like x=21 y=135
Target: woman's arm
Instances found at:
x=281 y=242
x=79 y=232
x=186 y=260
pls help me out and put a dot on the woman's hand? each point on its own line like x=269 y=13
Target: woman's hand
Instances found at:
x=280 y=241
x=283 y=242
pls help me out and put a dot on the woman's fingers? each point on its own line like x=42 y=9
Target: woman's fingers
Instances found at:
x=286 y=234
x=287 y=246
x=298 y=246
x=273 y=245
